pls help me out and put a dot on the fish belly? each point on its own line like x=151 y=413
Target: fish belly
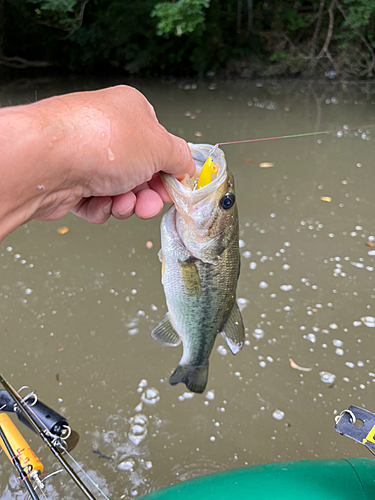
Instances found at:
x=199 y=295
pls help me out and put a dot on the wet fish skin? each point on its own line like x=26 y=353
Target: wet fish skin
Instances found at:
x=200 y=256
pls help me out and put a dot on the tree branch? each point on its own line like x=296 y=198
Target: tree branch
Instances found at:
x=20 y=63
x=329 y=32
x=317 y=28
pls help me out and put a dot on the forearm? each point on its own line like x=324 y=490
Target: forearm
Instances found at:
x=45 y=152
x=93 y=152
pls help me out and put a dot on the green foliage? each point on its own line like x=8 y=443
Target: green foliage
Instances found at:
x=59 y=6
x=139 y=36
x=360 y=13
x=292 y=19
x=181 y=17
x=278 y=56
x=57 y=13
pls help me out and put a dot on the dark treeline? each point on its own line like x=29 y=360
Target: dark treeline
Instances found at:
x=335 y=38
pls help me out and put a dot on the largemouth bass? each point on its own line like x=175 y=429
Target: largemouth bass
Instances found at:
x=200 y=268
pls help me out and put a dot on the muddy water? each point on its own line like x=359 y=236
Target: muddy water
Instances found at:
x=76 y=310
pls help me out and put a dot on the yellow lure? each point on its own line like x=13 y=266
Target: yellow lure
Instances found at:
x=208 y=169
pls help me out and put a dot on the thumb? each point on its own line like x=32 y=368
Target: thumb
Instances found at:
x=178 y=162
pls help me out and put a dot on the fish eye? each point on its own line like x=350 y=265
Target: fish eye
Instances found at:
x=227 y=201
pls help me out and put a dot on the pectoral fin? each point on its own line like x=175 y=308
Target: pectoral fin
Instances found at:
x=234 y=331
x=191 y=279
x=165 y=333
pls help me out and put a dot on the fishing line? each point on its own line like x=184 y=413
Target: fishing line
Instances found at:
x=85 y=474
x=308 y=134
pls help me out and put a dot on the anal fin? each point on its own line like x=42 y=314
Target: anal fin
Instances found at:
x=234 y=331
x=165 y=333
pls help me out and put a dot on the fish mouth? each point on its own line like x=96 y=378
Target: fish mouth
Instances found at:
x=181 y=192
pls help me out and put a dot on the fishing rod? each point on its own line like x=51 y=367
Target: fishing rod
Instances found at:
x=17 y=464
x=54 y=442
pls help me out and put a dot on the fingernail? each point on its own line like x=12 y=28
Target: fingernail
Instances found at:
x=107 y=209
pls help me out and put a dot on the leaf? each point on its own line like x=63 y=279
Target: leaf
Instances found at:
x=297 y=367
x=266 y=165
x=328 y=199
x=63 y=230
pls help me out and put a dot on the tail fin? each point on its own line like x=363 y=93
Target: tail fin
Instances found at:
x=194 y=377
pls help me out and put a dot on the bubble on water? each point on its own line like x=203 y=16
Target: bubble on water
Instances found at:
x=247 y=254
x=369 y=321
x=221 y=350
x=9 y=249
x=286 y=288
x=278 y=414
x=263 y=285
x=148 y=464
x=258 y=333
x=333 y=326
x=242 y=303
x=151 y=396
x=210 y=395
x=28 y=291
x=338 y=343
x=339 y=352
x=142 y=383
x=357 y=323
x=286 y=267
x=127 y=464
x=310 y=337
x=133 y=331
x=357 y=264
x=186 y=395
x=253 y=265
x=327 y=377
x=349 y=364
x=138 y=407
x=138 y=429
x=371 y=252
x=241 y=243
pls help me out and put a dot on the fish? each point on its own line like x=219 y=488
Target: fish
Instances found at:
x=200 y=267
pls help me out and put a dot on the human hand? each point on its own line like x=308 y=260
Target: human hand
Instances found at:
x=121 y=151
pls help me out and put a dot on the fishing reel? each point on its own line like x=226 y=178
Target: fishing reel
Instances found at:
x=25 y=461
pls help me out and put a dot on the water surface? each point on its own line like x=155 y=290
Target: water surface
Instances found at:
x=76 y=310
